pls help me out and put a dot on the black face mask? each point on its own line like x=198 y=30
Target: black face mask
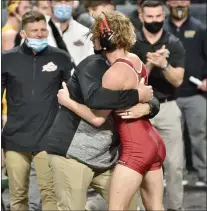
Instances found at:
x=153 y=27
x=98 y=51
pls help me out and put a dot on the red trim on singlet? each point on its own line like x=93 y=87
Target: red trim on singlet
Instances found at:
x=125 y=61
x=143 y=72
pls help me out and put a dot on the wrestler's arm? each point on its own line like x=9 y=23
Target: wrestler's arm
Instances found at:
x=97 y=97
x=95 y=117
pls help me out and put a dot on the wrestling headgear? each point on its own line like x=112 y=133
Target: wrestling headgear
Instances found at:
x=106 y=36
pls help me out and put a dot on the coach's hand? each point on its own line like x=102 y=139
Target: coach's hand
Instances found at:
x=63 y=95
x=135 y=112
x=145 y=92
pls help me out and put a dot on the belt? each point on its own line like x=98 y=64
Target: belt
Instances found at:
x=167 y=99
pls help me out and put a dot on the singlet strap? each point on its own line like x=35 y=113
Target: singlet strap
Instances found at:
x=129 y=63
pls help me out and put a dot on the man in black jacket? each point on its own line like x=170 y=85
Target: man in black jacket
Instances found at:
x=81 y=154
x=191 y=97
x=32 y=74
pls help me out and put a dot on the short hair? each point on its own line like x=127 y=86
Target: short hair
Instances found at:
x=151 y=3
x=96 y=3
x=124 y=31
x=37 y=2
x=31 y=17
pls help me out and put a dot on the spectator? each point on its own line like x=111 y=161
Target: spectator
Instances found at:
x=135 y=16
x=44 y=7
x=94 y=8
x=66 y=33
x=191 y=98
x=16 y=9
x=163 y=54
x=32 y=107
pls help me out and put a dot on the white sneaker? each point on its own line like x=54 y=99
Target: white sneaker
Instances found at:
x=201 y=184
x=184 y=182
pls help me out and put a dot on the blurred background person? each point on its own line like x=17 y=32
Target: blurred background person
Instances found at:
x=190 y=97
x=163 y=54
x=43 y=6
x=66 y=33
x=95 y=8
x=16 y=9
x=134 y=16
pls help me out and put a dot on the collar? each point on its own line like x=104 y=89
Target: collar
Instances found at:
x=26 y=50
x=163 y=38
x=58 y=24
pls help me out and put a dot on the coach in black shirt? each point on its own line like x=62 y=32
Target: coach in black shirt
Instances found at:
x=163 y=55
x=190 y=97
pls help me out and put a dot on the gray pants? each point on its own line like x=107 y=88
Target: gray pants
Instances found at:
x=34 y=193
x=194 y=114
x=168 y=123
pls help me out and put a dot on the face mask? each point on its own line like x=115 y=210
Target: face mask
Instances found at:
x=37 y=45
x=63 y=12
x=98 y=51
x=179 y=12
x=92 y=19
x=153 y=27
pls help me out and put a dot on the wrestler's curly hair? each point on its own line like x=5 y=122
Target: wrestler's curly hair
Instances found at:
x=124 y=31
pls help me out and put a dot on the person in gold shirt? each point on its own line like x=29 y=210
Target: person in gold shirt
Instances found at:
x=16 y=9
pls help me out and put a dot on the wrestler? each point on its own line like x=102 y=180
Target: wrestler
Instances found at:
x=143 y=151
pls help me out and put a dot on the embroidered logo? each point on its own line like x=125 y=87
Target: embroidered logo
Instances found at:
x=50 y=67
x=78 y=43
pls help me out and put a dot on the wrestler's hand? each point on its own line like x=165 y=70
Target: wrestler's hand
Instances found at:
x=145 y=92
x=63 y=95
x=135 y=112
x=203 y=86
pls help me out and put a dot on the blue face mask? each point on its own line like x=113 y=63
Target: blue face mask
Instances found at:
x=37 y=45
x=92 y=19
x=63 y=12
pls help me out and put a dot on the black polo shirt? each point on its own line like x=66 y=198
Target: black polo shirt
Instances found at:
x=191 y=34
x=162 y=88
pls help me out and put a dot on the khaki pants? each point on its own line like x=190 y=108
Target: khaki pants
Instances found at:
x=72 y=179
x=18 y=167
x=168 y=123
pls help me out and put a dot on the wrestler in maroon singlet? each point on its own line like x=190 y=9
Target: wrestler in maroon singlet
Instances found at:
x=142 y=147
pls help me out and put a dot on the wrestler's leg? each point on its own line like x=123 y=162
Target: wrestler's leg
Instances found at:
x=124 y=185
x=152 y=190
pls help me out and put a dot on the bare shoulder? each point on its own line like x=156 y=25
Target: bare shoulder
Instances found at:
x=136 y=61
x=115 y=76
x=9 y=33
